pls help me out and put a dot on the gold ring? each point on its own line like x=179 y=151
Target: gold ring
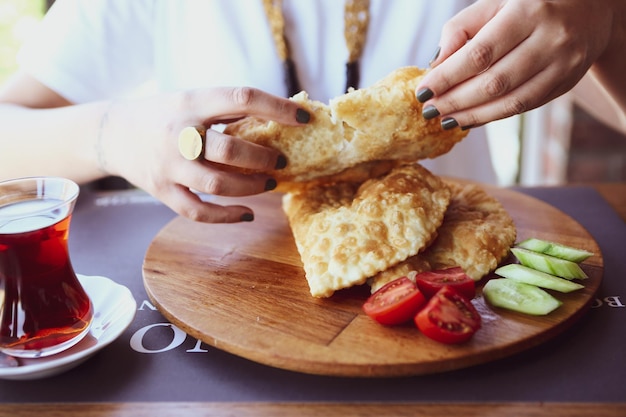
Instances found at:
x=191 y=142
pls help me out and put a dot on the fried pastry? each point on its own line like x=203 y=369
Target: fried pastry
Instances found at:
x=380 y=122
x=348 y=231
x=476 y=235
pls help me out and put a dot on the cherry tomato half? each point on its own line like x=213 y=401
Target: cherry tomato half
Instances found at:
x=448 y=317
x=429 y=282
x=396 y=302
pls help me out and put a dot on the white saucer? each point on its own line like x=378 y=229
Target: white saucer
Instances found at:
x=114 y=309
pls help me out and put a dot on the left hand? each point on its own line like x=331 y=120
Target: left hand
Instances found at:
x=499 y=58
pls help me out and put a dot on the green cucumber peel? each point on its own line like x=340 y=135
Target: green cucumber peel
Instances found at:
x=520 y=297
x=549 y=264
x=557 y=250
x=521 y=273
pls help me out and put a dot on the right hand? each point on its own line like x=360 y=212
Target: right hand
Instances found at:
x=502 y=57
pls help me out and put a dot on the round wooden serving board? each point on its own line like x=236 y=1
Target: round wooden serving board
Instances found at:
x=241 y=288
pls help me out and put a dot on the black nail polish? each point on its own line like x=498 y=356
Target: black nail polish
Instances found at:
x=247 y=217
x=430 y=112
x=281 y=162
x=303 y=116
x=270 y=184
x=424 y=95
x=467 y=127
x=435 y=56
x=449 y=123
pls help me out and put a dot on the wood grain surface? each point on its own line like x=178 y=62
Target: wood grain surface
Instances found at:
x=241 y=288
x=290 y=409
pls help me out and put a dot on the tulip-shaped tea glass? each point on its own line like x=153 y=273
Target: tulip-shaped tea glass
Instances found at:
x=43 y=307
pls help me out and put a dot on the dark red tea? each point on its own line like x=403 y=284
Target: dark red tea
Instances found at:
x=42 y=303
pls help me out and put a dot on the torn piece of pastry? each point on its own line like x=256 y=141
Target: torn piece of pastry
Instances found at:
x=380 y=122
x=348 y=231
x=476 y=235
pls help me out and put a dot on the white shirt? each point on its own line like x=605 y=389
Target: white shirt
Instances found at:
x=90 y=50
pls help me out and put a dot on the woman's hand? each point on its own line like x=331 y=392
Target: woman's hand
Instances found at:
x=499 y=58
x=138 y=141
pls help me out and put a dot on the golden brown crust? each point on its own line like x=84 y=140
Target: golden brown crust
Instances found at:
x=356 y=174
x=358 y=209
x=381 y=122
x=347 y=231
x=388 y=123
x=476 y=235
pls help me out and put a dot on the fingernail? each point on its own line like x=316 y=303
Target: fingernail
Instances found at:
x=270 y=184
x=424 y=95
x=303 y=116
x=247 y=217
x=281 y=162
x=449 y=123
x=435 y=56
x=430 y=112
x=467 y=127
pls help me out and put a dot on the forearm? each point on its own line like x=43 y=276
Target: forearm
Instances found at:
x=591 y=96
x=608 y=71
x=60 y=141
x=611 y=85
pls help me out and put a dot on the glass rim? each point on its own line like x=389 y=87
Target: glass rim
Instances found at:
x=68 y=185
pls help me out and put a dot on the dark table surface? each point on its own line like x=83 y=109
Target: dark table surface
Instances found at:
x=111 y=231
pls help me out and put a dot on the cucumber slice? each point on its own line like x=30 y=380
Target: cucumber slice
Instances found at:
x=555 y=249
x=549 y=264
x=521 y=273
x=517 y=296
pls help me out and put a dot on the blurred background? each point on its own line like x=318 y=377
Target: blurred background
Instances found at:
x=18 y=18
x=559 y=144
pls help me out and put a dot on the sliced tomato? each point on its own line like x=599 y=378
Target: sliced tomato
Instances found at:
x=448 y=317
x=429 y=282
x=396 y=302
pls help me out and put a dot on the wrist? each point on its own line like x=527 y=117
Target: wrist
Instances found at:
x=100 y=153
